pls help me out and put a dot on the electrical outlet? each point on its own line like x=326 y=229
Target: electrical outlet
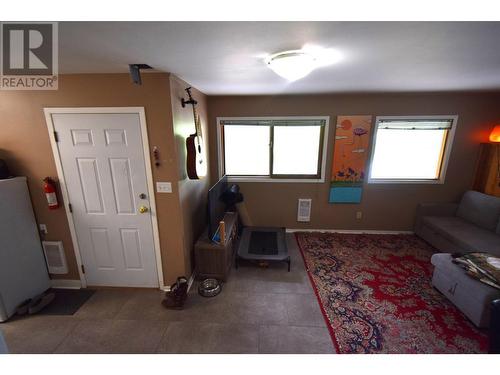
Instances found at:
x=163 y=187
x=43 y=229
x=359 y=215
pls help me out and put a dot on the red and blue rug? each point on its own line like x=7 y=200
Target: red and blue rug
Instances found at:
x=376 y=295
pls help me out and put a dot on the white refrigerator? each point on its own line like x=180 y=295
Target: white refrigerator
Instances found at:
x=23 y=272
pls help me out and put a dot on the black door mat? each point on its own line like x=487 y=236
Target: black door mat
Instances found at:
x=67 y=301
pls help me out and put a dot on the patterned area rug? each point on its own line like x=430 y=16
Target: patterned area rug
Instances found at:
x=375 y=293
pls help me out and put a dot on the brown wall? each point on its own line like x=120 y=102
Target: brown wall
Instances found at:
x=192 y=193
x=384 y=206
x=24 y=142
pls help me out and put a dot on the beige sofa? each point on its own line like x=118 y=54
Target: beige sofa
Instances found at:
x=473 y=225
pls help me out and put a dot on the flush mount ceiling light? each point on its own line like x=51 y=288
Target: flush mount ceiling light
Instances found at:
x=292 y=65
x=296 y=64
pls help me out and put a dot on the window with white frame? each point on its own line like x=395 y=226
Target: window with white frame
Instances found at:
x=272 y=148
x=411 y=149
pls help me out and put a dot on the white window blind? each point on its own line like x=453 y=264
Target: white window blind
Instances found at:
x=410 y=149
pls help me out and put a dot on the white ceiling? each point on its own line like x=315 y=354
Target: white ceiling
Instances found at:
x=227 y=57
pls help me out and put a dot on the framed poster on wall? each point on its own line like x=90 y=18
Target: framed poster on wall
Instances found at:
x=350 y=150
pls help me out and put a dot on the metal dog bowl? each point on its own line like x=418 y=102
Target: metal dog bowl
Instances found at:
x=209 y=288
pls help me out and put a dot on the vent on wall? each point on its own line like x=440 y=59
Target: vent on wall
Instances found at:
x=304 y=210
x=54 y=255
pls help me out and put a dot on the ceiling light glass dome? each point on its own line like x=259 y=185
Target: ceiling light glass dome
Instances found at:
x=292 y=65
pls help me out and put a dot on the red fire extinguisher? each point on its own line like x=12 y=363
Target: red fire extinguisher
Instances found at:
x=50 y=192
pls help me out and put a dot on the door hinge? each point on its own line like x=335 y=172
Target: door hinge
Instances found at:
x=56 y=136
x=70 y=207
x=83 y=268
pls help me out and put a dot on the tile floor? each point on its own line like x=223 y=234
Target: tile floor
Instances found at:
x=258 y=311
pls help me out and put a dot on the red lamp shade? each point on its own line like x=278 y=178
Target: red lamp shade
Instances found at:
x=495 y=134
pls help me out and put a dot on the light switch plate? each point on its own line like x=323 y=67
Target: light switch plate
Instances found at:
x=163 y=187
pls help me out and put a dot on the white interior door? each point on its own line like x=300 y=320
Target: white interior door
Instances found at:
x=103 y=162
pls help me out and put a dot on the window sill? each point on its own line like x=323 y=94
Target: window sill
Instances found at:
x=406 y=181
x=278 y=180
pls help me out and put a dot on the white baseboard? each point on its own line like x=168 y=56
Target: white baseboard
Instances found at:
x=65 y=284
x=351 y=231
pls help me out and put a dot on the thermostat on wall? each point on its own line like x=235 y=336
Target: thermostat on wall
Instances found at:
x=163 y=187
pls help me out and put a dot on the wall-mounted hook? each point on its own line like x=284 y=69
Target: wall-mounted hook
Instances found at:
x=190 y=101
x=156 y=156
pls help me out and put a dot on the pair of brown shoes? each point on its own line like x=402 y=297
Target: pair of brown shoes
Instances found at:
x=175 y=298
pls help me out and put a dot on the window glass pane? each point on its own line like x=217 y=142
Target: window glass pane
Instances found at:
x=408 y=154
x=246 y=150
x=296 y=150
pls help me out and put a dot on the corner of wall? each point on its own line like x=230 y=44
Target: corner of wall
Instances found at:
x=192 y=193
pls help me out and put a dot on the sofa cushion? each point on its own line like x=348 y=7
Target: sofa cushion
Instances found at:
x=480 y=209
x=467 y=236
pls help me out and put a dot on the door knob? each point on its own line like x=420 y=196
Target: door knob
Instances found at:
x=143 y=209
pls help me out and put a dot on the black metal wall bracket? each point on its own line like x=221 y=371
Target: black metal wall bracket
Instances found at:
x=184 y=102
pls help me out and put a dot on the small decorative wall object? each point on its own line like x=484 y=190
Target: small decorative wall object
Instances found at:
x=350 y=151
x=156 y=156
